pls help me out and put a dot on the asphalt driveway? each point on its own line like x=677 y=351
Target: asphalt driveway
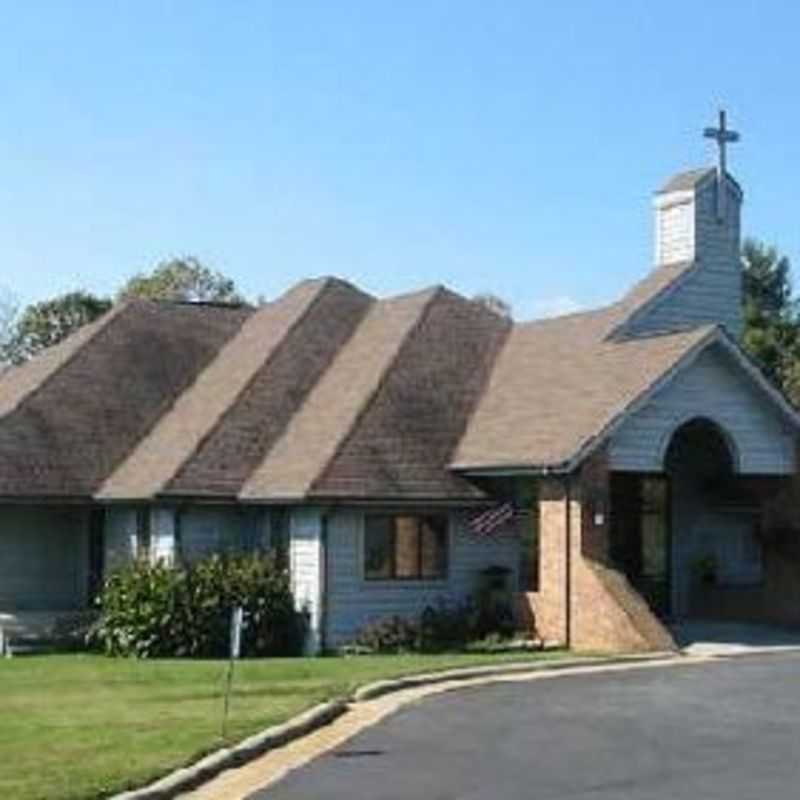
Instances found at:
x=725 y=729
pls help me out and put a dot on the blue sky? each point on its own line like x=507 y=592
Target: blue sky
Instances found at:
x=511 y=147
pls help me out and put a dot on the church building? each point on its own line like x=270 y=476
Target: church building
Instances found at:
x=627 y=468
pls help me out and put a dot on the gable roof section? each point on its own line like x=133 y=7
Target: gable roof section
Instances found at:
x=404 y=440
x=557 y=384
x=76 y=411
x=646 y=295
x=203 y=417
x=334 y=406
x=769 y=391
x=252 y=425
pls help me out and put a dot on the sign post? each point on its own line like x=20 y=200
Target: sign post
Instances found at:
x=237 y=621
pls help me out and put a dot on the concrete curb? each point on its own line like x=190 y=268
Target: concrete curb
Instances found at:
x=373 y=690
x=191 y=777
x=187 y=778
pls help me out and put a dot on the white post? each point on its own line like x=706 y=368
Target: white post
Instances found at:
x=306 y=570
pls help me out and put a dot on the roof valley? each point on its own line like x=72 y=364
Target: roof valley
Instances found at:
x=277 y=391
x=320 y=478
x=180 y=430
x=316 y=433
x=405 y=437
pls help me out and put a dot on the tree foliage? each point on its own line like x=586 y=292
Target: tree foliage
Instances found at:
x=47 y=323
x=771 y=316
x=184 y=280
x=8 y=310
x=44 y=324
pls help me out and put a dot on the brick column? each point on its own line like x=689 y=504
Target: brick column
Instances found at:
x=550 y=602
x=606 y=612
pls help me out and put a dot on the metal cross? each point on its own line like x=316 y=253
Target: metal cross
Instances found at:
x=722 y=136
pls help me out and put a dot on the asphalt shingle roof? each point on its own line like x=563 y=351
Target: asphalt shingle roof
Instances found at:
x=326 y=393
x=69 y=417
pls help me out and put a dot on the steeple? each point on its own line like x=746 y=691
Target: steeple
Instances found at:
x=698 y=217
x=698 y=222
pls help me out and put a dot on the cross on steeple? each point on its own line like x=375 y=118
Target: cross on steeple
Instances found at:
x=722 y=136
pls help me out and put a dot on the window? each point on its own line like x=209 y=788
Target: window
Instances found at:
x=737 y=550
x=143 y=533
x=405 y=547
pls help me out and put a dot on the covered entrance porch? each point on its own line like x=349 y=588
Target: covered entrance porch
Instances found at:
x=50 y=566
x=691 y=538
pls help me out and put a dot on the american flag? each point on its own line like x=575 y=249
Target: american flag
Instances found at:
x=489 y=521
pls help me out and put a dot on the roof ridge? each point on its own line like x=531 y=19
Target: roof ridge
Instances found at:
x=680 y=345
x=435 y=292
x=359 y=404
x=147 y=449
x=632 y=308
x=686 y=180
x=707 y=334
x=554 y=320
x=70 y=347
x=324 y=284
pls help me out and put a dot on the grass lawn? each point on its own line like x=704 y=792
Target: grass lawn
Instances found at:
x=81 y=726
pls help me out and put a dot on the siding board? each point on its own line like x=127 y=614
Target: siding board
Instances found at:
x=353 y=601
x=44 y=559
x=713 y=387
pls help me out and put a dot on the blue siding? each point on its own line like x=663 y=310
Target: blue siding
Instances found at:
x=715 y=387
x=352 y=601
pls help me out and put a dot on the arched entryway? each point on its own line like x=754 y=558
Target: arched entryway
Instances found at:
x=678 y=532
x=707 y=532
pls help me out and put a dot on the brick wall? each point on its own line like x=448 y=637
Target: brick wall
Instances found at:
x=582 y=600
x=776 y=599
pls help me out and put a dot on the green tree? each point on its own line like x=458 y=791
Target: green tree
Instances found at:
x=47 y=323
x=8 y=310
x=182 y=279
x=771 y=319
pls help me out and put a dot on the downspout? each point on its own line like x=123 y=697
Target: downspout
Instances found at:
x=568 y=564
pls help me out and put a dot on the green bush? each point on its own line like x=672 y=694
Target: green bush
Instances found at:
x=164 y=611
x=389 y=635
x=444 y=627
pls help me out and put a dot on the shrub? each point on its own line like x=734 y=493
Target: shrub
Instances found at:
x=161 y=611
x=446 y=627
x=439 y=628
x=390 y=635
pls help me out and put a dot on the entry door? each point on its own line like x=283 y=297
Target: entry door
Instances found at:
x=654 y=543
x=640 y=535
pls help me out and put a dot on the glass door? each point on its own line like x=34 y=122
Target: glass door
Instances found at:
x=654 y=575
x=640 y=535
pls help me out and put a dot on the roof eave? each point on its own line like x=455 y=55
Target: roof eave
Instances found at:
x=716 y=335
x=510 y=469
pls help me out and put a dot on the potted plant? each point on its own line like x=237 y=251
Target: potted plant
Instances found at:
x=705 y=569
